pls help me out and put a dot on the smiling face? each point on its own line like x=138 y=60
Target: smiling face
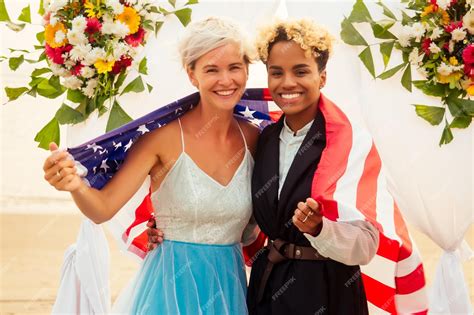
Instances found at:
x=294 y=79
x=221 y=76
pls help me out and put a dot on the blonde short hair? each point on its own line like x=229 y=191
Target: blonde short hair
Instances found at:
x=203 y=36
x=313 y=38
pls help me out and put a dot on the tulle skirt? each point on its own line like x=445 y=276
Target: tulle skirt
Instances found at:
x=188 y=278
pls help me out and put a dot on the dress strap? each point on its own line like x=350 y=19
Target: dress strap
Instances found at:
x=182 y=134
x=243 y=136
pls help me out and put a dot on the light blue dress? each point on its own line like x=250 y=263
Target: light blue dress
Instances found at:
x=199 y=268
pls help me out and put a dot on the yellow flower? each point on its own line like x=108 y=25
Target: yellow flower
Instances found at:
x=50 y=34
x=453 y=77
x=428 y=10
x=470 y=90
x=92 y=10
x=130 y=18
x=453 y=61
x=444 y=17
x=104 y=66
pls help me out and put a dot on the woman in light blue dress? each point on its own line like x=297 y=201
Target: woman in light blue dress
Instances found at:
x=200 y=167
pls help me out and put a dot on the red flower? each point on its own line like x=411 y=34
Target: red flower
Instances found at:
x=452 y=26
x=136 y=38
x=93 y=26
x=425 y=45
x=56 y=54
x=121 y=64
x=468 y=54
x=76 y=70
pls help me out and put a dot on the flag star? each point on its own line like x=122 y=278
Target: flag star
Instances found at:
x=117 y=145
x=104 y=151
x=94 y=169
x=177 y=110
x=143 y=129
x=129 y=144
x=94 y=147
x=248 y=113
x=256 y=121
x=104 y=165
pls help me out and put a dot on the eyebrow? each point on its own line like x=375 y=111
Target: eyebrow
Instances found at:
x=215 y=66
x=298 y=66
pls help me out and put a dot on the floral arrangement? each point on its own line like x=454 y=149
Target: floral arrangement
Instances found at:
x=436 y=38
x=89 y=47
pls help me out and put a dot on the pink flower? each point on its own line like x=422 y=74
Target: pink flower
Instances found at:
x=136 y=38
x=76 y=70
x=93 y=26
x=121 y=64
x=468 y=58
x=425 y=45
x=452 y=26
x=56 y=54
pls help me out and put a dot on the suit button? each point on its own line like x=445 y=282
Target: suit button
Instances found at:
x=298 y=253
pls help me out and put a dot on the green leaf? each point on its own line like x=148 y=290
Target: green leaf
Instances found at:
x=172 y=2
x=14 y=93
x=367 y=60
x=75 y=96
x=461 y=122
x=134 y=86
x=40 y=71
x=19 y=50
x=142 y=68
x=381 y=30
x=432 y=114
x=25 y=15
x=150 y=87
x=390 y=73
x=350 y=35
x=15 y=62
x=190 y=2
x=406 y=19
x=117 y=118
x=386 y=11
x=49 y=133
x=158 y=26
x=406 y=78
x=184 y=16
x=360 y=13
x=48 y=88
x=447 y=136
x=466 y=106
x=41 y=8
x=386 y=51
x=437 y=90
x=32 y=92
x=67 y=115
x=15 y=27
x=120 y=80
x=40 y=37
x=3 y=12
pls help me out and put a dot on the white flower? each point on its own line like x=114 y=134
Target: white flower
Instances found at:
x=135 y=51
x=79 y=52
x=436 y=33
x=58 y=70
x=94 y=55
x=130 y=2
x=108 y=26
x=443 y=4
x=415 y=58
x=69 y=63
x=120 y=29
x=59 y=36
x=468 y=20
x=87 y=72
x=79 y=23
x=444 y=69
x=417 y=31
x=458 y=34
x=53 y=19
x=120 y=49
x=422 y=71
x=89 y=89
x=77 y=38
x=405 y=36
x=46 y=5
x=116 y=6
x=57 y=5
x=434 y=49
x=451 y=46
x=72 y=83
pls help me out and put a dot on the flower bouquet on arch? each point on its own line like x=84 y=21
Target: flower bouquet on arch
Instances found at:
x=435 y=37
x=87 y=50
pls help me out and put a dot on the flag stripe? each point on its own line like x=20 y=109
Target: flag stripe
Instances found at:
x=411 y=282
x=379 y=294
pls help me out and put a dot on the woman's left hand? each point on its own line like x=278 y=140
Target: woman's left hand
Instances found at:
x=308 y=217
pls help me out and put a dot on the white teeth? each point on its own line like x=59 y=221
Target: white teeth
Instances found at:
x=290 y=96
x=225 y=93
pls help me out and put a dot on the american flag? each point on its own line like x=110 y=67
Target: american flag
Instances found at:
x=349 y=184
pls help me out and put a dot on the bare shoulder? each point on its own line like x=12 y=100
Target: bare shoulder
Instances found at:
x=251 y=133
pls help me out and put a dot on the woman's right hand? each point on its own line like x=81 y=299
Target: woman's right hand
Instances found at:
x=60 y=170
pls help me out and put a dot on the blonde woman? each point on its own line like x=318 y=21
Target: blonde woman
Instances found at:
x=200 y=167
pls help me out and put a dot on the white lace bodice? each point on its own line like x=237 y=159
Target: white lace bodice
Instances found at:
x=190 y=206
